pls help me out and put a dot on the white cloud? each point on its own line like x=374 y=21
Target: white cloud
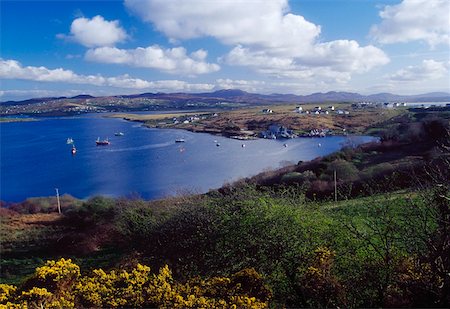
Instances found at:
x=173 y=60
x=96 y=32
x=179 y=85
x=412 y=20
x=256 y=22
x=264 y=35
x=11 y=69
x=246 y=85
x=428 y=69
x=332 y=60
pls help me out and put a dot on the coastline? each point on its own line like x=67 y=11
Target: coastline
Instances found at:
x=16 y=119
x=249 y=123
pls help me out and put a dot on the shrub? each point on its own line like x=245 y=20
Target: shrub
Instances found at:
x=137 y=288
x=344 y=170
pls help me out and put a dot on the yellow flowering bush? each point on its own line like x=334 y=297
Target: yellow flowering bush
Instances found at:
x=58 y=270
x=135 y=288
x=36 y=296
x=318 y=284
x=6 y=292
x=10 y=305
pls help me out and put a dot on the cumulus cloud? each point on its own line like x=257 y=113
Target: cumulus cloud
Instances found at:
x=96 y=32
x=428 y=69
x=246 y=85
x=331 y=60
x=12 y=69
x=264 y=35
x=412 y=20
x=172 y=60
x=256 y=22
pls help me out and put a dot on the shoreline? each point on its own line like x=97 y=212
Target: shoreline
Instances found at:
x=246 y=124
x=16 y=119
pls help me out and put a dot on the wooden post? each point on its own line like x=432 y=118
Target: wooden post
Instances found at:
x=57 y=199
x=335 y=187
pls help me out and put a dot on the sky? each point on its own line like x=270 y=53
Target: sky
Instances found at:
x=66 y=48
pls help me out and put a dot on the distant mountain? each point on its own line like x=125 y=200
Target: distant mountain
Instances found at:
x=242 y=97
x=389 y=97
x=83 y=96
x=31 y=101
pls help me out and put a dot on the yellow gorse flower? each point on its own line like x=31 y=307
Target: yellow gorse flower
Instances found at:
x=121 y=288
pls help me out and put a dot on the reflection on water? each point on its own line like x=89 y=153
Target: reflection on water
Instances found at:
x=35 y=158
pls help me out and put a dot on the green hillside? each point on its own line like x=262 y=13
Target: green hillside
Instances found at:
x=384 y=243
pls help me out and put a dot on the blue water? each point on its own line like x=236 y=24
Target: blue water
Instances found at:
x=35 y=158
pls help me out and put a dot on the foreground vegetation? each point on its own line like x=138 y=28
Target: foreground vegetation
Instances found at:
x=59 y=284
x=277 y=240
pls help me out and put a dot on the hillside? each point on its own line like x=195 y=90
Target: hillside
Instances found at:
x=221 y=99
x=383 y=243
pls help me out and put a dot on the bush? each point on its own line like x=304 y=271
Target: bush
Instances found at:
x=135 y=288
x=344 y=170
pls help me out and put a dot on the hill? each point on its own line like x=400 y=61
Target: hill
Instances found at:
x=383 y=243
x=227 y=98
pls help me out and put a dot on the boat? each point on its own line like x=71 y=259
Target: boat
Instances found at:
x=119 y=134
x=74 y=150
x=285 y=145
x=218 y=144
x=102 y=142
x=179 y=140
x=69 y=141
x=243 y=145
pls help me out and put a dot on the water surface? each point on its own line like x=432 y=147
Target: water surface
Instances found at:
x=35 y=158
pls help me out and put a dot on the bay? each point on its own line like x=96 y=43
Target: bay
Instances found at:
x=35 y=158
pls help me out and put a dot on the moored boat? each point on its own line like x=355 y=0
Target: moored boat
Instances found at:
x=102 y=142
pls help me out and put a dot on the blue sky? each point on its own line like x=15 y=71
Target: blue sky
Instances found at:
x=64 y=48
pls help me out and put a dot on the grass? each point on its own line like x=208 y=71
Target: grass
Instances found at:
x=274 y=232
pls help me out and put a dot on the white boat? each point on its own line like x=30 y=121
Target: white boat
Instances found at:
x=119 y=134
x=179 y=140
x=69 y=141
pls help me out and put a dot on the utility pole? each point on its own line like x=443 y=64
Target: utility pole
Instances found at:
x=335 y=187
x=57 y=199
